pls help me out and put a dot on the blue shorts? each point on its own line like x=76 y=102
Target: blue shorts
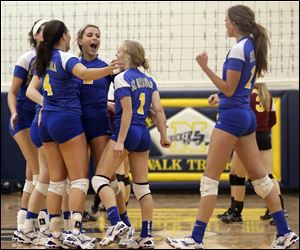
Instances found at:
x=96 y=125
x=25 y=119
x=35 y=132
x=236 y=121
x=60 y=126
x=137 y=140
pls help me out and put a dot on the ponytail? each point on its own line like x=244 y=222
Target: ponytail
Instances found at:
x=244 y=19
x=262 y=43
x=44 y=54
x=136 y=54
x=145 y=64
x=53 y=31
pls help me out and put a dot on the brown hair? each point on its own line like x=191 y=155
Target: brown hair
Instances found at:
x=53 y=31
x=136 y=53
x=81 y=32
x=244 y=18
x=31 y=39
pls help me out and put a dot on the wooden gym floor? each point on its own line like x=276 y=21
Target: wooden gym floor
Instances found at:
x=174 y=215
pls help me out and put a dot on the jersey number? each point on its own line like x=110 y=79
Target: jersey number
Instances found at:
x=141 y=108
x=47 y=86
x=259 y=107
x=248 y=84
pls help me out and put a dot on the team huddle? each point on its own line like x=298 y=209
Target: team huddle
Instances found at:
x=61 y=116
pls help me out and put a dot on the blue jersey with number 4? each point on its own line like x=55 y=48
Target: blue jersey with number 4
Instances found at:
x=60 y=86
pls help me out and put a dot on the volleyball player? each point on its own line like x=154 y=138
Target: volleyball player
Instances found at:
x=93 y=99
x=22 y=114
x=262 y=104
x=61 y=130
x=236 y=126
x=134 y=94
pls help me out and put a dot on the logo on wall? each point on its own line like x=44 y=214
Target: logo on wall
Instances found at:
x=189 y=131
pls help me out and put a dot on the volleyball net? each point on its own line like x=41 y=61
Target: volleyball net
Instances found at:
x=172 y=33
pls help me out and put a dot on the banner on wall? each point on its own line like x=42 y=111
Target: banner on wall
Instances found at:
x=189 y=130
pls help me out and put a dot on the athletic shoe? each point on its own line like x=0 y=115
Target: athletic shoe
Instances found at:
x=127 y=238
x=112 y=232
x=77 y=240
x=184 y=243
x=143 y=243
x=90 y=239
x=88 y=217
x=15 y=236
x=266 y=216
x=41 y=238
x=53 y=242
x=226 y=213
x=27 y=238
x=285 y=241
x=231 y=218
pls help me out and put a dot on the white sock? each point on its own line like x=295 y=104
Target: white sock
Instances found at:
x=21 y=217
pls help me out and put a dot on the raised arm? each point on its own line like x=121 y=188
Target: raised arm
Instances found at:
x=227 y=87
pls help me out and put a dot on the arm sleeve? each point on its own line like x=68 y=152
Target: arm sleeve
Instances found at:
x=68 y=61
x=122 y=88
x=236 y=58
x=22 y=66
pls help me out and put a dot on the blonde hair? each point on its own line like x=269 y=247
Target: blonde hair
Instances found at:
x=80 y=35
x=136 y=54
x=264 y=95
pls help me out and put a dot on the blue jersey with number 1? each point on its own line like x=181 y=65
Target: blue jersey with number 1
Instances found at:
x=240 y=58
x=140 y=88
x=235 y=114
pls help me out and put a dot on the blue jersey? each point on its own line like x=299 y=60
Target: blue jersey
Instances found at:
x=240 y=58
x=22 y=69
x=60 y=86
x=140 y=88
x=94 y=92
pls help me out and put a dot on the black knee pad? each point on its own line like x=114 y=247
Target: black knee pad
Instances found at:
x=239 y=181
x=126 y=181
x=120 y=177
x=232 y=179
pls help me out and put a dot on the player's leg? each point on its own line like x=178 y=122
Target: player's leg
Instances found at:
x=239 y=192
x=139 y=170
x=248 y=153
x=106 y=168
x=218 y=155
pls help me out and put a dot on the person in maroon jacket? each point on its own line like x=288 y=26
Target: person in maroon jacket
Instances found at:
x=262 y=105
